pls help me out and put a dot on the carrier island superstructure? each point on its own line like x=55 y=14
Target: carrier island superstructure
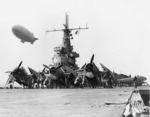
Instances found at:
x=64 y=54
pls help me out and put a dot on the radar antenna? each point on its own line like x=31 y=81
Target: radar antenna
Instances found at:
x=66 y=25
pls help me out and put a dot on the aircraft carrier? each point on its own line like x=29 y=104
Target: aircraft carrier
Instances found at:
x=64 y=72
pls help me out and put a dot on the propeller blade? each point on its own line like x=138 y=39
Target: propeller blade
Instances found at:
x=19 y=65
x=43 y=70
x=59 y=67
x=46 y=66
x=92 y=59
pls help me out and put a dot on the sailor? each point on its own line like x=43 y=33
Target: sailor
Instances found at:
x=135 y=81
x=110 y=82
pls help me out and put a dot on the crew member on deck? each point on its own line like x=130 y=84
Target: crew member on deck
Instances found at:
x=135 y=81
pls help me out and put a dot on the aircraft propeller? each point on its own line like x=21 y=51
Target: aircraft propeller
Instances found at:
x=17 y=68
x=89 y=66
x=11 y=72
x=43 y=70
x=46 y=66
x=19 y=65
x=59 y=66
x=53 y=69
x=92 y=59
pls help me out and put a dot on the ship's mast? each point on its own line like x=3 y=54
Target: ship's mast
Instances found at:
x=67 y=36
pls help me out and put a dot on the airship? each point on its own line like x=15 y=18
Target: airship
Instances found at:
x=23 y=34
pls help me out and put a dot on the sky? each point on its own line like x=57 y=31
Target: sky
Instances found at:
x=118 y=34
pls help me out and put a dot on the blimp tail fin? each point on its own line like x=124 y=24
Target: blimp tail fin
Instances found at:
x=22 y=41
x=34 y=40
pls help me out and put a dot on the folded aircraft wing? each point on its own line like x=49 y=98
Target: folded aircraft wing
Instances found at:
x=33 y=72
x=104 y=67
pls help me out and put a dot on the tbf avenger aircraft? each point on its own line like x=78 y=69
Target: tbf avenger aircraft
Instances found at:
x=130 y=81
x=20 y=76
x=121 y=79
x=23 y=34
x=61 y=76
x=89 y=74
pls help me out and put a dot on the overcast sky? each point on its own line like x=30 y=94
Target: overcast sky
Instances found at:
x=118 y=35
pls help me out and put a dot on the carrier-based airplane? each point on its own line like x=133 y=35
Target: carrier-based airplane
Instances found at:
x=123 y=79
